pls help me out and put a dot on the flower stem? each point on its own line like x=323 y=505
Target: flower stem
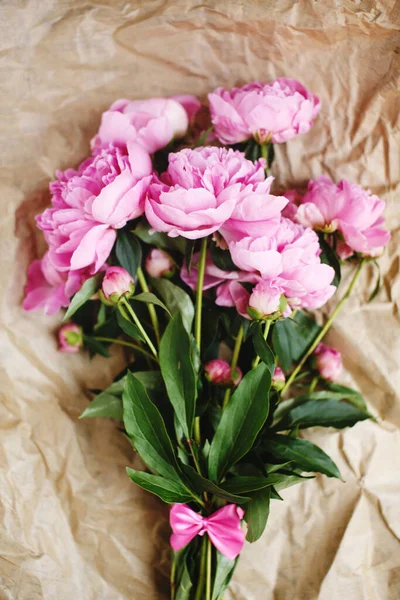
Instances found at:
x=127 y=344
x=201 y=579
x=172 y=577
x=197 y=326
x=234 y=361
x=150 y=307
x=325 y=328
x=208 y=570
x=264 y=154
x=266 y=331
x=139 y=325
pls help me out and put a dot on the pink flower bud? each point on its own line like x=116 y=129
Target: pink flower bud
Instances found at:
x=278 y=378
x=159 y=264
x=218 y=371
x=265 y=300
x=328 y=362
x=117 y=283
x=70 y=338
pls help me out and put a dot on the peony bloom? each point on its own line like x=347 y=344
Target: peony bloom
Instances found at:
x=328 y=362
x=348 y=208
x=294 y=200
x=257 y=211
x=152 y=123
x=117 y=283
x=199 y=191
x=275 y=111
x=290 y=259
x=70 y=338
x=159 y=264
x=265 y=300
x=213 y=275
x=219 y=372
x=278 y=379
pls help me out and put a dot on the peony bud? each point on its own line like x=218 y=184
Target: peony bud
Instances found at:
x=278 y=379
x=117 y=283
x=265 y=300
x=328 y=362
x=218 y=371
x=70 y=338
x=159 y=264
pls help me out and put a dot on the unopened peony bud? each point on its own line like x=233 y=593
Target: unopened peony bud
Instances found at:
x=70 y=338
x=218 y=371
x=278 y=379
x=265 y=300
x=328 y=362
x=159 y=264
x=117 y=283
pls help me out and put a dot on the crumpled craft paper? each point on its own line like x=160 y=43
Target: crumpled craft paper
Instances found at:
x=72 y=524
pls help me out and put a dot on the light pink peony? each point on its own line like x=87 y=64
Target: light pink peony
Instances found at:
x=265 y=299
x=213 y=276
x=199 y=191
x=289 y=258
x=218 y=371
x=233 y=293
x=347 y=208
x=159 y=263
x=257 y=211
x=328 y=362
x=70 y=338
x=294 y=200
x=275 y=111
x=117 y=282
x=152 y=123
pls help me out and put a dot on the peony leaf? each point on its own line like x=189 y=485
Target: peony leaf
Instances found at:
x=88 y=289
x=256 y=515
x=176 y=299
x=129 y=252
x=168 y=490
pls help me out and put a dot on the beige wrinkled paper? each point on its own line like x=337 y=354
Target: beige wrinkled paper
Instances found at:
x=73 y=527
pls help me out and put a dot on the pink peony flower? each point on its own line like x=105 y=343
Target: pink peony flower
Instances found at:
x=347 y=208
x=213 y=276
x=328 y=362
x=70 y=338
x=289 y=258
x=49 y=289
x=152 y=123
x=290 y=209
x=278 y=379
x=89 y=204
x=233 y=293
x=199 y=191
x=117 y=283
x=219 y=372
x=275 y=111
x=265 y=299
x=159 y=263
x=257 y=210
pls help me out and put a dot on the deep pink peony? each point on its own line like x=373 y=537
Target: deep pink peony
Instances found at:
x=152 y=123
x=218 y=371
x=328 y=362
x=347 y=208
x=289 y=258
x=275 y=111
x=199 y=191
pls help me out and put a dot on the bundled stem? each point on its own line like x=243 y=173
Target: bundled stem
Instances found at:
x=234 y=362
x=325 y=328
x=139 y=325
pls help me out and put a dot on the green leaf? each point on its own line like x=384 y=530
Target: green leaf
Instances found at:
x=158 y=239
x=262 y=348
x=176 y=299
x=104 y=405
x=329 y=257
x=288 y=479
x=189 y=251
x=178 y=373
x=151 y=380
x=307 y=456
x=251 y=483
x=129 y=328
x=95 y=346
x=129 y=252
x=334 y=392
x=224 y=569
x=377 y=287
x=322 y=413
x=203 y=137
x=346 y=393
x=256 y=515
x=89 y=288
x=185 y=584
x=168 y=490
x=222 y=259
x=149 y=298
x=241 y=421
x=201 y=484
x=291 y=338
x=145 y=426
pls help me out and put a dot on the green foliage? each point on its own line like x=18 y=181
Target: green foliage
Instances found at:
x=292 y=337
x=129 y=252
x=176 y=300
x=88 y=289
x=257 y=513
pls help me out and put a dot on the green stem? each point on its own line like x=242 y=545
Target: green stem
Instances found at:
x=234 y=362
x=208 y=571
x=313 y=384
x=172 y=578
x=127 y=344
x=139 y=325
x=201 y=579
x=266 y=331
x=325 y=328
x=199 y=291
x=264 y=154
x=150 y=307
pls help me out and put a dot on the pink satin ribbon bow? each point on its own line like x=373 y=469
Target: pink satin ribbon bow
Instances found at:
x=223 y=528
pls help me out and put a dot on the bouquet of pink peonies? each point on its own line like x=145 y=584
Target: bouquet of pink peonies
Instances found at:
x=179 y=252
